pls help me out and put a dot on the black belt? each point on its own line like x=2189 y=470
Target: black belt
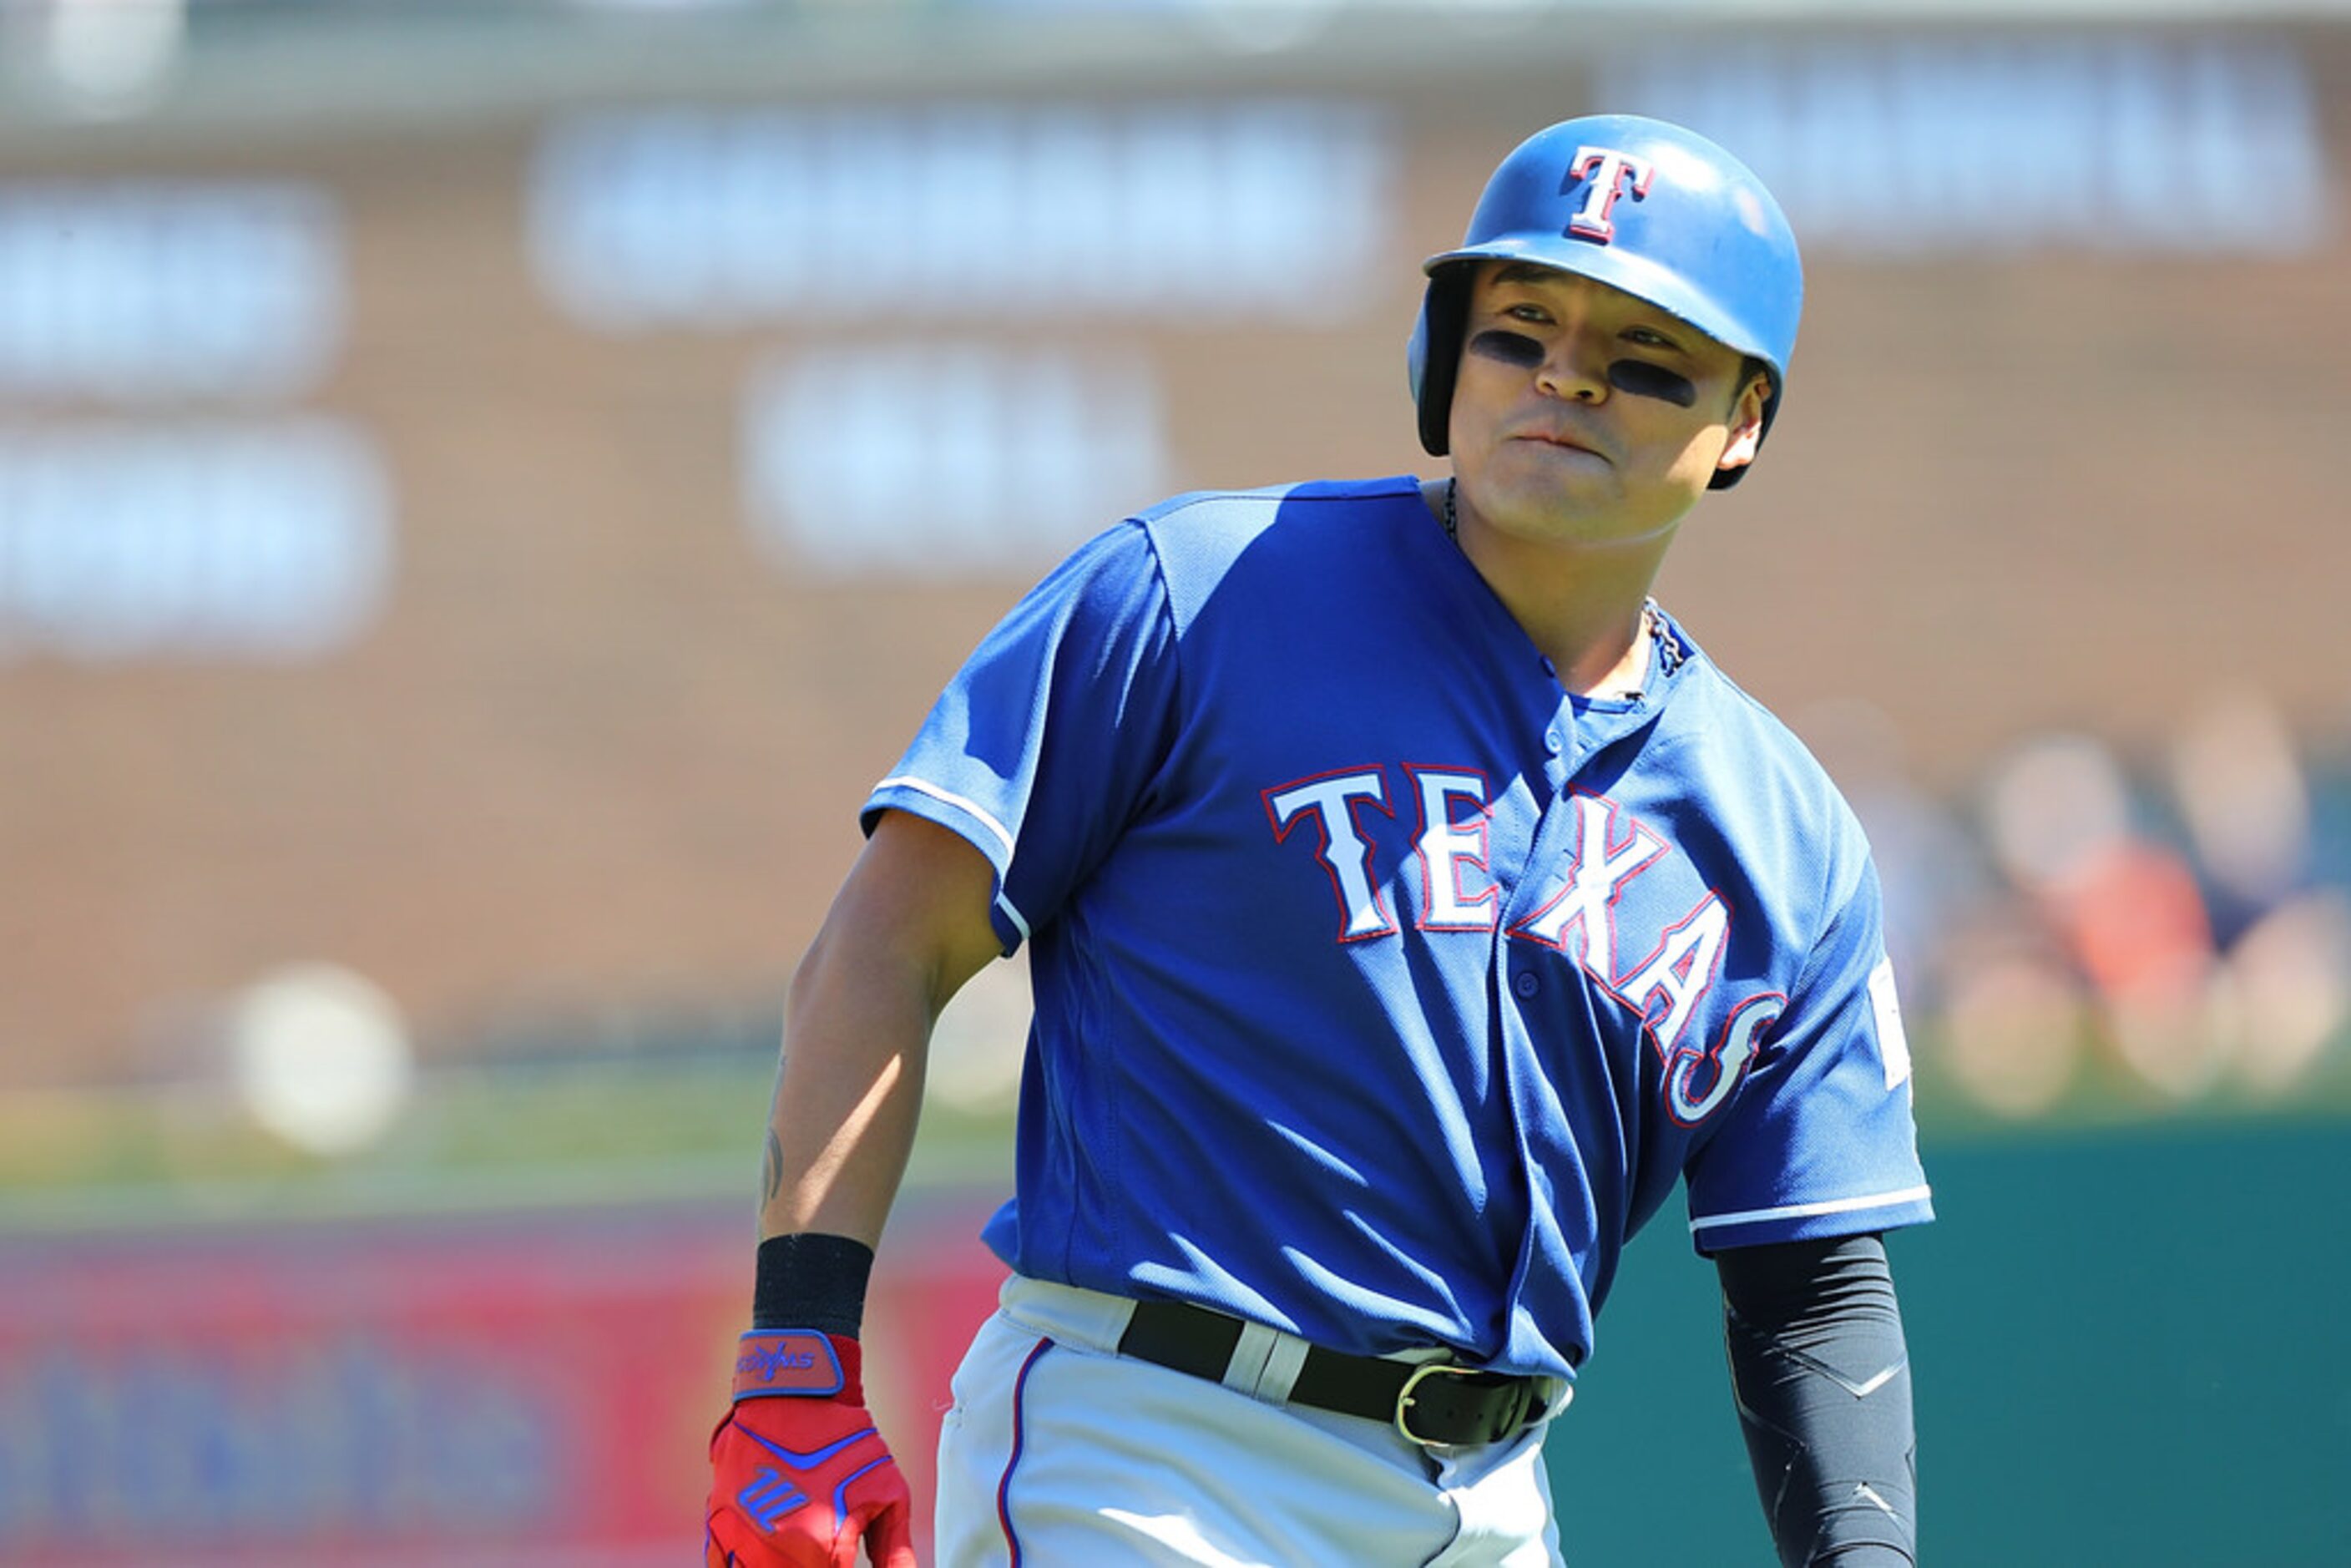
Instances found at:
x=1434 y=1403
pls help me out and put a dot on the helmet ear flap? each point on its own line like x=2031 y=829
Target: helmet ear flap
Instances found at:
x=1436 y=354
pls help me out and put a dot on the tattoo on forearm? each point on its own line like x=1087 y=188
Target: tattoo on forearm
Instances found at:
x=771 y=1172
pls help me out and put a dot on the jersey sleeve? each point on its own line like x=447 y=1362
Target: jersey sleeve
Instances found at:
x=1045 y=743
x=1820 y=1140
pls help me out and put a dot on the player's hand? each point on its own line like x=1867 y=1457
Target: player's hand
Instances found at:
x=798 y=1475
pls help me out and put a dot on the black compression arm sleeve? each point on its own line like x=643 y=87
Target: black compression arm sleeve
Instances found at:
x=1822 y=1383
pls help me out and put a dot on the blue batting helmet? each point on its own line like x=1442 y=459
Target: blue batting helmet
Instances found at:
x=1650 y=208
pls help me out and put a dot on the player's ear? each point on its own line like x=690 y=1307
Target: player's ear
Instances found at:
x=1746 y=420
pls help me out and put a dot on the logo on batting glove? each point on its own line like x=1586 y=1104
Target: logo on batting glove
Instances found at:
x=788 y=1361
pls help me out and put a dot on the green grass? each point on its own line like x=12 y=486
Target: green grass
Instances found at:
x=468 y=1139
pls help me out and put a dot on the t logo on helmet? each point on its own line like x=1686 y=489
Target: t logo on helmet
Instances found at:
x=1608 y=170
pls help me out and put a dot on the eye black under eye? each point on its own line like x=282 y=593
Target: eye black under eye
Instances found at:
x=1643 y=379
x=1510 y=347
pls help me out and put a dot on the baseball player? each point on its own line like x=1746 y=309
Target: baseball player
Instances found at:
x=1411 y=903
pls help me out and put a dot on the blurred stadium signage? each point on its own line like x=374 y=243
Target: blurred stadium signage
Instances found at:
x=1021 y=453
x=241 y=532
x=211 y=538
x=1965 y=145
x=1247 y=210
x=147 y=290
x=410 y=1394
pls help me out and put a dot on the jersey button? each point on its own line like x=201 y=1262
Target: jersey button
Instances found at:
x=1525 y=983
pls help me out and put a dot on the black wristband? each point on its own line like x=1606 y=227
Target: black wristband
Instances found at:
x=810 y=1281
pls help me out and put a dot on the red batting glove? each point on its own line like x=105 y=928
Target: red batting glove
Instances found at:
x=798 y=1475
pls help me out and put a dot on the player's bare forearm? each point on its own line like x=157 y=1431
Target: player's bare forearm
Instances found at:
x=908 y=928
x=847 y=1097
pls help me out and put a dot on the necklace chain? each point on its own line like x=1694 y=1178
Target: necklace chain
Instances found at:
x=1670 y=652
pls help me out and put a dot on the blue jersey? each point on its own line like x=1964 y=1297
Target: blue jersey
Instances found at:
x=1383 y=989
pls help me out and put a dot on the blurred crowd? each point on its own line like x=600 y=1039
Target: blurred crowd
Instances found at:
x=2074 y=922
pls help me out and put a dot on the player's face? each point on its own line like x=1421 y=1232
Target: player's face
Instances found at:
x=1583 y=415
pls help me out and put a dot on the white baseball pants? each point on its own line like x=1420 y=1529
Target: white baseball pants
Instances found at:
x=1060 y=1453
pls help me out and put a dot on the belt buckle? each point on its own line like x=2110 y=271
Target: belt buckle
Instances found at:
x=1404 y=1399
